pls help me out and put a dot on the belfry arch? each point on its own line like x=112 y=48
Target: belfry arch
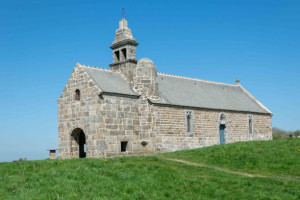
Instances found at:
x=78 y=143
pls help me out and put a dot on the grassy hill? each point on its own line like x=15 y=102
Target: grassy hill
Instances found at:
x=249 y=170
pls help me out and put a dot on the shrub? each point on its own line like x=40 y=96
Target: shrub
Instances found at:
x=22 y=159
x=297 y=133
x=280 y=136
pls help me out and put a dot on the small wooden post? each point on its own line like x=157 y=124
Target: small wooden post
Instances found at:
x=52 y=153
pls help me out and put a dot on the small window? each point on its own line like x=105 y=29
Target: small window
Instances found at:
x=77 y=95
x=188 y=119
x=117 y=53
x=124 y=53
x=124 y=146
x=250 y=124
x=189 y=123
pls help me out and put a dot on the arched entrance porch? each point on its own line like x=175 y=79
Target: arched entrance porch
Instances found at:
x=78 y=143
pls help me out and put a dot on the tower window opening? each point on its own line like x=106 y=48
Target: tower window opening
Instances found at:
x=117 y=53
x=124 y=146
x=124 y=53
x=77 y=95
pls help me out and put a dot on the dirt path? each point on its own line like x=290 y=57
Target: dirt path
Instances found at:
x=287 y=178
x=213 y=167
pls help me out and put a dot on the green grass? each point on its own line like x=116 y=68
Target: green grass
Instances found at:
x=280 y=157
x=152 y=177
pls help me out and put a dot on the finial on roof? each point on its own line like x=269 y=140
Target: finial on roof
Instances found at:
x=123 y=32
x=237 y=81
x=123 y=13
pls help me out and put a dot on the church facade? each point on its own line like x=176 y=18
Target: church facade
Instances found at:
x=133 y=109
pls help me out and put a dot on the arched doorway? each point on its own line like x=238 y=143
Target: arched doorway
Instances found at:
x=223 y=129
x=78 y=143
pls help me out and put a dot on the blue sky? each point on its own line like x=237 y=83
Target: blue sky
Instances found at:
x=41 y=41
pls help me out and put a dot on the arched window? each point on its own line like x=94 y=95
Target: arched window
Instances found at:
x=189 y=123
x=77 y=95
x=250 y=124
x=222 y=117
x=223 y=129
x=188 y=119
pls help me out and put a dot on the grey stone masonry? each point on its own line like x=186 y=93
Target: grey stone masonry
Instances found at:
x=124 y=51
x=131 y=110
x=145 y=78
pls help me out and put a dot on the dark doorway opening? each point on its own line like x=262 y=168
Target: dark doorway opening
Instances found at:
x=124 y=146
x=80 y=144
x=222 y=134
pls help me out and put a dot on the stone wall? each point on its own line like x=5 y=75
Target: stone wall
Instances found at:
x=107 y=120
x=126 y=68
x=172 y=130
x=144 y=80
x=74 y=114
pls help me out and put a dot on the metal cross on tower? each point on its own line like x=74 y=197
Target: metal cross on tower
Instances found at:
x=123 y=12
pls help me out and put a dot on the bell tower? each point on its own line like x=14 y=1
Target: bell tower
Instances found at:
x=124 y=51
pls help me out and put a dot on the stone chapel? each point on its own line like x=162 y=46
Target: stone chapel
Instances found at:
x=132 y=109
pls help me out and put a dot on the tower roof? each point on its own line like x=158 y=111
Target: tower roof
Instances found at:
x=123 y=35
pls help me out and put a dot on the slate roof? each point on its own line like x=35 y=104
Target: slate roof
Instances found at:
x=109 y=81
x=189 y=92
x=182 y=91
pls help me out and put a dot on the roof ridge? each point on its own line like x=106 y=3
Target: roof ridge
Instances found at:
x=196 y=79
x=172 y=75
x=92 y=67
